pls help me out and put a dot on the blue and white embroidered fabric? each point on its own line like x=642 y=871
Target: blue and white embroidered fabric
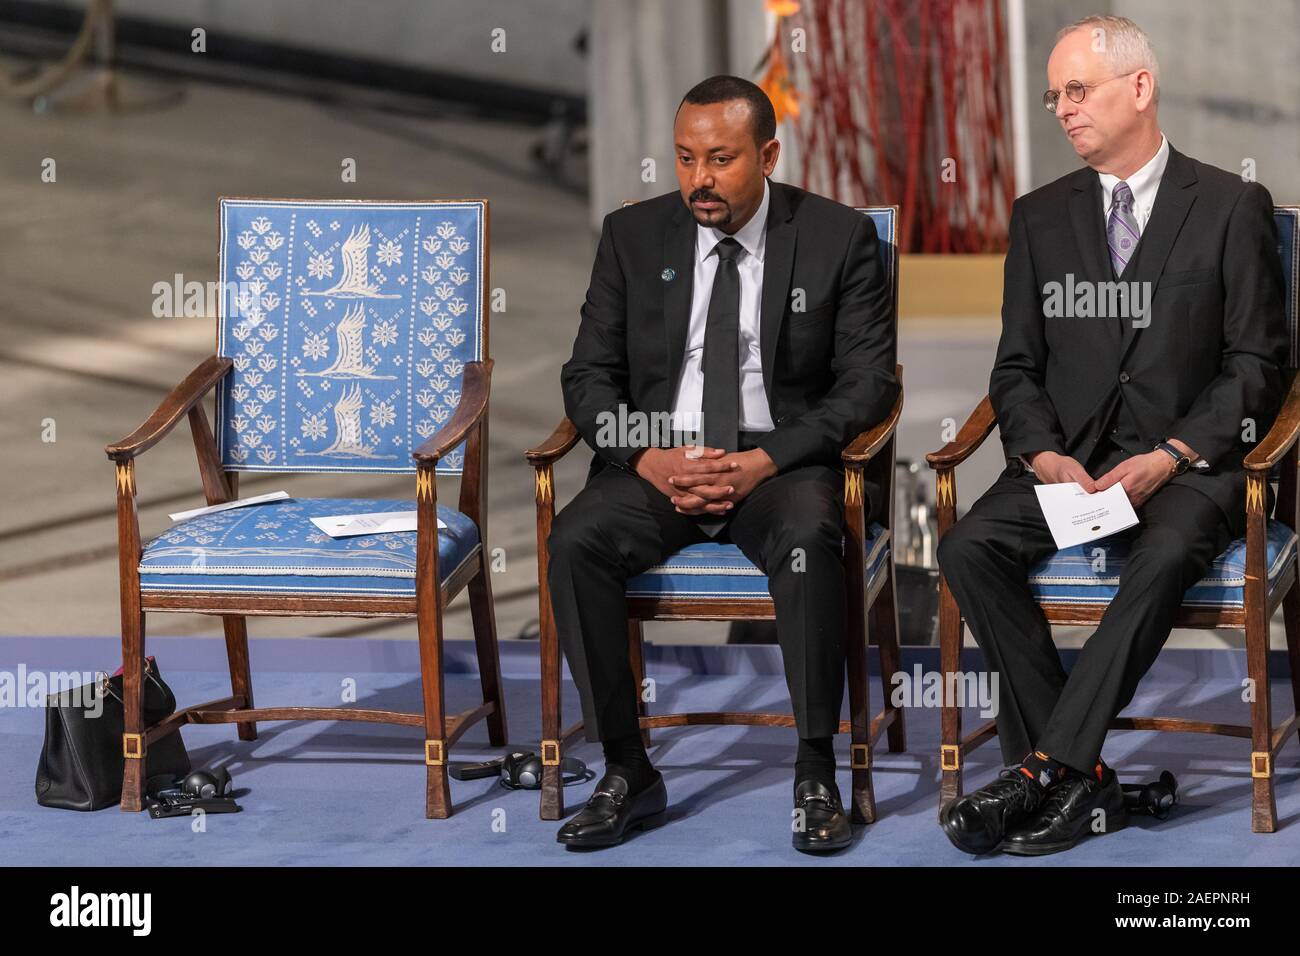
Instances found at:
x=1077 y=575
x=349 y=324
x=274 y=547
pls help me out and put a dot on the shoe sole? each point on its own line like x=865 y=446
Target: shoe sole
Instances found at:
x=654 y=821
x=1046 y=849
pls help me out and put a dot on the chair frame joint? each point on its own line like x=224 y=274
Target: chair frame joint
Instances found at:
x=550 y=753
x=435 y=753
x=1261 y=764
x=947 y=751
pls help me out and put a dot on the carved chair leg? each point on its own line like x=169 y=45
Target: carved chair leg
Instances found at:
x=863 y=800
x=484 y=619
x=1263 y=804
x=437 y=803
x=884 y=625
x=636 y=655
x=133 y=729
x=950 y=758
x=552 y=795
x=241 y=677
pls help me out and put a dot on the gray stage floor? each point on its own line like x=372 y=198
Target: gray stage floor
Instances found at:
x=135 y=203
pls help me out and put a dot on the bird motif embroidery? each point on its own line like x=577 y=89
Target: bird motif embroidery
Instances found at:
x=347 y=422
x=355 y=282
x=349 y=359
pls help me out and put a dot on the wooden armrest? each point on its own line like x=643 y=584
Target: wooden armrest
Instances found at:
x=865 y=446
x=475 y=387
x=970 y=437
x=173 y=408
x=556 y=447
x=1281 y=436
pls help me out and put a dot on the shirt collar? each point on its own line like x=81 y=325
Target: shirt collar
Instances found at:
x=1144 y=183
x=752 y=235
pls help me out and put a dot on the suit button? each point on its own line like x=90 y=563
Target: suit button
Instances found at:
x=1114 y=431
x=1123 y=378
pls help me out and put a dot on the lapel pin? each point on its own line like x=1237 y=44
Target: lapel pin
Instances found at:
x=668 y=275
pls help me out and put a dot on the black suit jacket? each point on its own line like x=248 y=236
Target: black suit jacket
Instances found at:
x=828 y=369
x=1212 y=356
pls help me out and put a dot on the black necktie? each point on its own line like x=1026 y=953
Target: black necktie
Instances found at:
x=720 y=407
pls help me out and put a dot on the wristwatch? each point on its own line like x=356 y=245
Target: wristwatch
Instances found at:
x=1181 y=461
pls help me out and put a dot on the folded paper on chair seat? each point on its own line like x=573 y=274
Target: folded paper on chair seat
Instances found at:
x=228 y=505
x=381 y=522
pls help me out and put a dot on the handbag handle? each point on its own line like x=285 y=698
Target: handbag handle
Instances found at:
x=150 y=673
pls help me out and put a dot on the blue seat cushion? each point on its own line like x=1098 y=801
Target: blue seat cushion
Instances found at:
x=274 y=547
x=716 y=570
x=1077 y=575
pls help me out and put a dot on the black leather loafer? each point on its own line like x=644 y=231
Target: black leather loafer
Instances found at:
x=1069 y=814
x=825 y=826
x=977 y=822
x=610 y=813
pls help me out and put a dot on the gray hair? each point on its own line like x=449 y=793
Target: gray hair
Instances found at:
x=1123 y=43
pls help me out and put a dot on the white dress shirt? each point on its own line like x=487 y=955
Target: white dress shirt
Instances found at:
x=1145 y=183
x=687 y=405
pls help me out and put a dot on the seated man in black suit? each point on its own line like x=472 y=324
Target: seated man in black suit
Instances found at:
x=758 y=313
x=1164 y=401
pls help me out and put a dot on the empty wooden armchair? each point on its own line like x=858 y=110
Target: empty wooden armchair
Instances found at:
x=352 y=338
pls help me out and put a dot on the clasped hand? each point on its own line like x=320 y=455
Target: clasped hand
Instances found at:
x=700 y=480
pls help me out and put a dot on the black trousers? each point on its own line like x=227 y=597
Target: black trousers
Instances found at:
x=620 y=525
x=986 y=558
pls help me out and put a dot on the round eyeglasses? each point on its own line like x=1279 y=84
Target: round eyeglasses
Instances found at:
x=1076 y=90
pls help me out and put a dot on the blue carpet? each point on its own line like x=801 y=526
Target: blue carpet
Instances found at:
x=352 y=794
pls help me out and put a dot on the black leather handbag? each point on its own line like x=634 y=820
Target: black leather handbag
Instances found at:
x=82 y=762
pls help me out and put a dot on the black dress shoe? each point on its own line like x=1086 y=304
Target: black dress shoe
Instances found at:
x=1069 y=814
x=610 y=813
x=825 y=825
x=977 y=822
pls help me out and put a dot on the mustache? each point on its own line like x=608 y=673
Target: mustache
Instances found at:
x=703 y=195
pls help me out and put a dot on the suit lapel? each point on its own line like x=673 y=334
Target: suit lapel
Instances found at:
x=1174 y=200
x=778 y=264
x=679 y=258
x=1090 y=235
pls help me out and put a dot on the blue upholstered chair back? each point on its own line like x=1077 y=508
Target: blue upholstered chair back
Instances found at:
x=1288 y=243
x=885 y=219
x=349 y=324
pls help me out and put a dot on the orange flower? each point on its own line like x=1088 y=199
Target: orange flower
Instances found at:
x=778 y=86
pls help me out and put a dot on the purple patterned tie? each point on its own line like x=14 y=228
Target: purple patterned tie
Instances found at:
x=1121 y=228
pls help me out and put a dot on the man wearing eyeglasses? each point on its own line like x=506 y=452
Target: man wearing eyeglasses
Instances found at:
x=1164 y=399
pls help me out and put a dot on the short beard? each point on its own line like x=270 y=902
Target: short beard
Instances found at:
x=727 y=211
